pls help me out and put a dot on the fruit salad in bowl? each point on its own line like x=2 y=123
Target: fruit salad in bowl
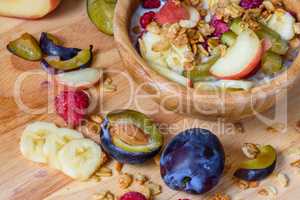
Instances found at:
x=192 y=50
x=235 y=44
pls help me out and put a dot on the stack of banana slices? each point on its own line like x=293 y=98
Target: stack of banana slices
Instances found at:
x=63 y=149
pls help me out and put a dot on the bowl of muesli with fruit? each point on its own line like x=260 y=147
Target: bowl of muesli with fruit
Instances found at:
x=226 y=58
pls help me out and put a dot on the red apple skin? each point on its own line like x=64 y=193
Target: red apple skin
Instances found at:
x=247 y=70
x=53 y=3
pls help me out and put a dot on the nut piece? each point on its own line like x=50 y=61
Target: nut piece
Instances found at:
x=282 y=179
x=154 y=188
x=118 y=167
x=107 y=195
x=141 y=179
x=296 y=164
x=269 y=5
x=104 y=172
x=220 y=196
x=97 y=119
x=125 y=181
x=157 y=159
x=250 y=150
x=268 y=191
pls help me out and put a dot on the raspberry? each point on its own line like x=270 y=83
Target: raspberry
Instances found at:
x=133 y=196
x=71 y=105
x=249 y=4
x=220 y=26
x=151 y=4
x=147 y=18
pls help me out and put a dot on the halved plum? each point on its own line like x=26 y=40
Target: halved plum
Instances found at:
x=260 y=167
x=193 y=161
x=130 y=136
x=51 y=46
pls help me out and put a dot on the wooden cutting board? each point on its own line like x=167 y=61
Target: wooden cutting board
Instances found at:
x=22 y=180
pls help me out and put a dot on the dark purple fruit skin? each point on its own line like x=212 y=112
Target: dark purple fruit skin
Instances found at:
x=51 y=70
x=118 y=153
x=193 y=161
x=255 y=174
x=50 y=48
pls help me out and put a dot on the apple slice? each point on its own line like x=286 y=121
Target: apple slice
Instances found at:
x=29 y=9
x=84 y=78
x=240 y=59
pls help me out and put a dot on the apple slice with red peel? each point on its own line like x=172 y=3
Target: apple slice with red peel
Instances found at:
x=79 y=79
x=28 y=9
x=172 y=12
x=240 y=59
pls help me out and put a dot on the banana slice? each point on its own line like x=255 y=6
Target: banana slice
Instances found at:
x=55 y=142
x=33 y=140
x=80 y=158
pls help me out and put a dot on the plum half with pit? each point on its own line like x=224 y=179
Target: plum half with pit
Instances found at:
x=193 y=161
x=259 y=168
x=130 y=136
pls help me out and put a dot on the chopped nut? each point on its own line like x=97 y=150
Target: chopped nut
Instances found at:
x=253 y=184
x=297 y=127
x=297 y=27
x=125 y=181
x=250 y=150
x=276 y=127
x=269 y=5
x=104 y=172
x=296 y=164
x=96 y=118
x=171 y=31
x=268 y=191
x=294 y=43
x=154 y=188
x=140 y=178
x=219 y=196
x=157 y=159
x=104 y=196
x=233 y=10
x=181 y=40
x=118 y=167
x=243 y=185
x=282 y=179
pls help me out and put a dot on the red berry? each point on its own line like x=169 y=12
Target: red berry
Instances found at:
x=151 y=4
x=71 y=105
x=133 y=196
x=147 y=18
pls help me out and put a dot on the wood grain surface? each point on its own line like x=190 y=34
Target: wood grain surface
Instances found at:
x=24 y=180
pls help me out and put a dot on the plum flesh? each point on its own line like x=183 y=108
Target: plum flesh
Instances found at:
x=193 y=161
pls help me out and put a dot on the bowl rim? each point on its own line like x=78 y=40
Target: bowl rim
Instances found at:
x=123 y=14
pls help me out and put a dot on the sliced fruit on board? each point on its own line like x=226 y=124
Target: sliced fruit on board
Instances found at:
x=80 y=158
x=33 y=140
x=55 y=142
x=240 y=59
x=172 y=12
x=51 y=46
x=84 y=78
x=29 y=9
x=260 y=167
x=101 y=13
x=282 y=22
x=26 y=47
x=130 y=136
x=82 y=60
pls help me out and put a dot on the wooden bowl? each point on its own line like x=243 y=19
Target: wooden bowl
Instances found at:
x=231 y=105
